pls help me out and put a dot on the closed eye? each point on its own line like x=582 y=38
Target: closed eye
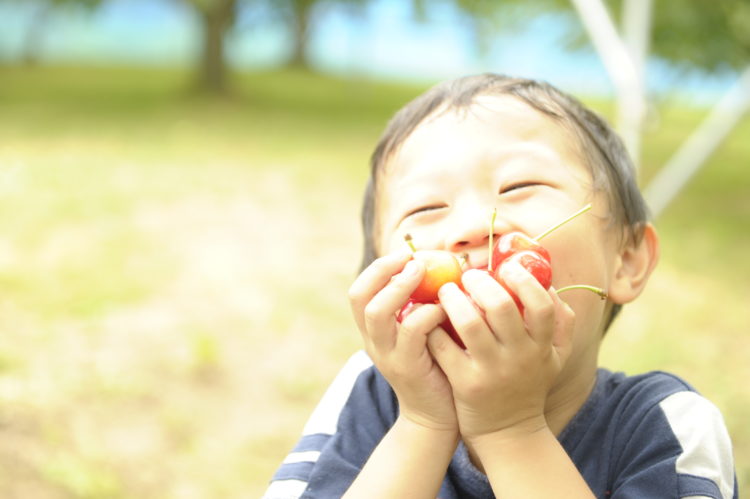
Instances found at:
x=517 y=186
x=424 y=209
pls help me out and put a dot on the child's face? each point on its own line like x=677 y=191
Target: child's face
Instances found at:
x=442 y=185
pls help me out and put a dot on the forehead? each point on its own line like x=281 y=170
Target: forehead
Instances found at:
x=492 y=129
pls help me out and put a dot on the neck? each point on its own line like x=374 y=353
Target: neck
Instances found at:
x=564 y=402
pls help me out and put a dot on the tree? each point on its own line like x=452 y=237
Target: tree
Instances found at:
x=217 y=17
x=32 y=41
x=689 y=34
x=301 y=18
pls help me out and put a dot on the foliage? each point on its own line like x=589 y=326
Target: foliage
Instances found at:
x=709 y=35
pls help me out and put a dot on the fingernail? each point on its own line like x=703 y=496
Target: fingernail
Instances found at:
x=447 y=288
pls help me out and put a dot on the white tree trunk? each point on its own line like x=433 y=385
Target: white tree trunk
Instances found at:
x=636 y=32
x=700 y=145
x=625 y=70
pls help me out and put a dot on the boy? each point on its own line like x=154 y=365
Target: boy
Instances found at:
x=523 y=411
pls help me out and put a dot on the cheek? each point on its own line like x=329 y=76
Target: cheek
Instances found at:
x=580 y=261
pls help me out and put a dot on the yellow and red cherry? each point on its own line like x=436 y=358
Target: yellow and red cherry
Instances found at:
x=440 y=267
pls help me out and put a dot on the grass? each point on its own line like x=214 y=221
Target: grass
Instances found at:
x=169 y=262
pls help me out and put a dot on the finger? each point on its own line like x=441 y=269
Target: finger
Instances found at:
x=412 y=334
x=467 y=320
x=565 y=322
x=501 y=312
x=448 y=355
x=539 y=309
x=380 y=313
x=372 y=280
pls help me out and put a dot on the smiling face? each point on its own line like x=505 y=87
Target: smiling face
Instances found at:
x=443 y=183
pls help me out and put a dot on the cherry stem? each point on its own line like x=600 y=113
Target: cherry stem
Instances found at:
x=593 y=289
x=408 y=240
x=463 y=260
x=492 y=235
x=571 y=217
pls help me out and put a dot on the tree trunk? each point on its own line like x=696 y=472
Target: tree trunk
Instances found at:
x=34 y=34
x=217 y=17
x=300 y=26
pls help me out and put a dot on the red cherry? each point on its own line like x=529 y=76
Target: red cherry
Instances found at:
x=441 y=267
x=534 y=263
x=513 y=242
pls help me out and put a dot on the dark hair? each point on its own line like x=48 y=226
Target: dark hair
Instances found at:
x=598 y=145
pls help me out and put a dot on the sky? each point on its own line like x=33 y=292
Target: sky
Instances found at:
x=384 y=42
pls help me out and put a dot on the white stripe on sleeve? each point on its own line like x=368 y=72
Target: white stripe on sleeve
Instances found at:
x=706 y=448
x=310 y=456
x=285 y=489
x=325 y=417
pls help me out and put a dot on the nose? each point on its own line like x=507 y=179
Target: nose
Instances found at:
x=470 y=230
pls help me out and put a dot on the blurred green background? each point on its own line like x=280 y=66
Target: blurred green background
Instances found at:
x=174 y=261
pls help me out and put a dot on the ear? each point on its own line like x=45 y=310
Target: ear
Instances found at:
x=633 y=266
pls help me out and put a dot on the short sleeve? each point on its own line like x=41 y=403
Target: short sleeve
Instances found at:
x=355 y=412
x=680 y=448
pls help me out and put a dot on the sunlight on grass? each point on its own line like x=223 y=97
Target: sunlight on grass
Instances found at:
x=175 y=272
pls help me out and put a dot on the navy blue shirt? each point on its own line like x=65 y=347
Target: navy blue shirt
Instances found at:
x=646 y=436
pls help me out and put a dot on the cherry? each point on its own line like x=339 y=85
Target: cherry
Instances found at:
x=406 y=310
x=513 y=242
x=441 y=267
x=535 y=263
x=530 y=254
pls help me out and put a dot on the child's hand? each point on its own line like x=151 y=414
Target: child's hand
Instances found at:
x=400 y=350
x=502 y=379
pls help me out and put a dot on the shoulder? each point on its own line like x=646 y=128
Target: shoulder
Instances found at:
x=325 y=417
x=642 y=389
x=353 y=414
x=663 y=421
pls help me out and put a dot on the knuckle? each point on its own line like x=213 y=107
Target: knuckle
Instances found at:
x=503 y=304
x=470 y=324
x=546 y=311
x=371 y=312
x=354 y=294
x=407 y=328
x=495 y=303
x=567 y=316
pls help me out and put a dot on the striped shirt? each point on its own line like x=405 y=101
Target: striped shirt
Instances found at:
x=645 y=436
